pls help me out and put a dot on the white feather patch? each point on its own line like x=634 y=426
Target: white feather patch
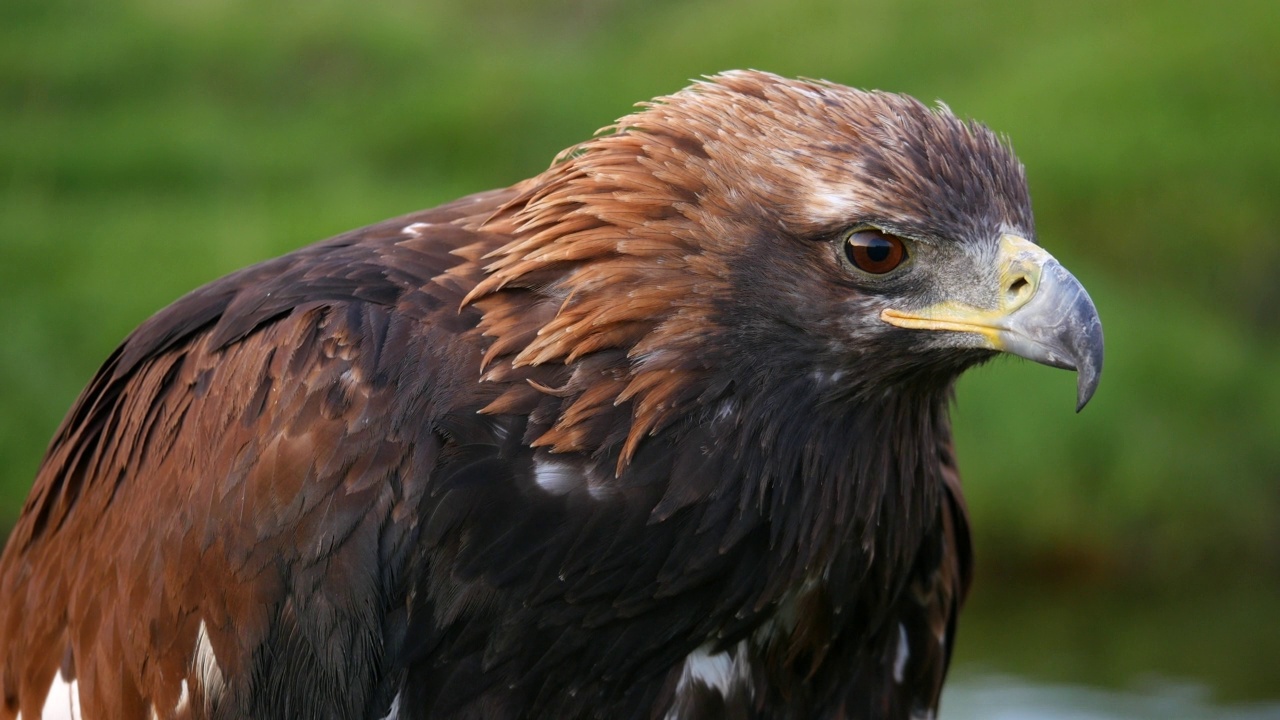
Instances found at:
x=725 y=672
x=727 y=409
x=904 y=652
x=556 y=478
x=831 y=202
x=394 y=712
x=831 y=205
x=63 y=700
x=827 y=377
x=184 y=699
x=714 y=671
x=206 y=667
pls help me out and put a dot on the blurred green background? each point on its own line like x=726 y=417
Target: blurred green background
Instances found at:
x=147 y=147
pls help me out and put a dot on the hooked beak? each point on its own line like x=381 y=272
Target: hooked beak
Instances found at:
x=1041 y=313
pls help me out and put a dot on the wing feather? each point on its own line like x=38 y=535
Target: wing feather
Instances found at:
x=240 y=470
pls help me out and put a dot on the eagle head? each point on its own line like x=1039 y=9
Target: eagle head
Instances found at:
x=750 y=230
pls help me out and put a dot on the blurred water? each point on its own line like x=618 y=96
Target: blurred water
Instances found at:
x=1006 y=697
x=1191 y=649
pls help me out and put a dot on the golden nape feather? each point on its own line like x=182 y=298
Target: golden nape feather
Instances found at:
x=661 y=432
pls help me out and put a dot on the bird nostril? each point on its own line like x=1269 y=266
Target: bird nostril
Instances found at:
x=1018 y=291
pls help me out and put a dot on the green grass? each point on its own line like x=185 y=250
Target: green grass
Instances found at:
x=147 y=147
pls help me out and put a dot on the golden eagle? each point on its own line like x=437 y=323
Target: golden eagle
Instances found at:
x=661 y=432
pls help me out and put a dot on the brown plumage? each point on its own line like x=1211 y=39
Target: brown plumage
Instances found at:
x=635 y=438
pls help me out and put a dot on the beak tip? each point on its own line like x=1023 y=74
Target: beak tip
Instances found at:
x=1089 y=372
x=1082 y=399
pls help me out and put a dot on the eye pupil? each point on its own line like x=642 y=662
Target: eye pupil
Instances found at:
x=875 y=252
x=878 y=250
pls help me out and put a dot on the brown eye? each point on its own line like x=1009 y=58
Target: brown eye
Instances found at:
x=875 y=252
